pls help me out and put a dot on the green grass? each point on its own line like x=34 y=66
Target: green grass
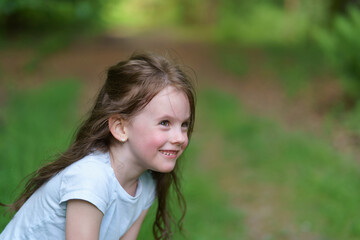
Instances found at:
x=35 y=124
x=295 y=66
x=321 y=185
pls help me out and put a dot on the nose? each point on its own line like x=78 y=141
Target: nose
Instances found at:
x=178 y=136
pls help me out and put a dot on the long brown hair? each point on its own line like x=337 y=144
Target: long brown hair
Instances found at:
x=129 y=87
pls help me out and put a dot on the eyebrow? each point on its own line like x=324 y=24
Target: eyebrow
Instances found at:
x=166 y=116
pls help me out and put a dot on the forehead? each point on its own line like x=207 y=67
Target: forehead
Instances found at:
x=169 y=101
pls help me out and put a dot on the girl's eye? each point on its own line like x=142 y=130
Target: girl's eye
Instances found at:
x=165 y=123
x=185 y=125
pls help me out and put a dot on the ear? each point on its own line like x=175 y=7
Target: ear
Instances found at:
x=117 y=128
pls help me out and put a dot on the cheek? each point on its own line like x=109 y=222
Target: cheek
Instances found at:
x=155 y=141
x=185 y=144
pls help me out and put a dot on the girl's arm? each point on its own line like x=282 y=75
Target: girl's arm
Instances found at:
x=83 y=220
x=133 y=231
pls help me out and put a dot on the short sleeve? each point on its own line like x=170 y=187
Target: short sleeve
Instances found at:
x=86 y=180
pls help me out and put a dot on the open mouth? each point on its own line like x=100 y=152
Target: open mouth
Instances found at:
x=169 y=153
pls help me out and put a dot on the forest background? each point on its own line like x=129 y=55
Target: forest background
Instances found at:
x=275 y=150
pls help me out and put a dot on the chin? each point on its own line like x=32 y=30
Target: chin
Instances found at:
x=166 y=169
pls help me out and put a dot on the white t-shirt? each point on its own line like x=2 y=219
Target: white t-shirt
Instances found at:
x=91 y=179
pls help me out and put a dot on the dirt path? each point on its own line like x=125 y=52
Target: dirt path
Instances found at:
x=87 y=59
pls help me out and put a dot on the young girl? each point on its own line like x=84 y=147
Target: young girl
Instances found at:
x=125 y=154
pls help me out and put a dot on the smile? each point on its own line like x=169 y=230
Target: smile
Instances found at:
x=169 y=153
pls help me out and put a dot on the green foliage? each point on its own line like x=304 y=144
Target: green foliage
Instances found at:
x=260 y=22
x=321 y=185
x=19 y=16
x=139 y=13
x=144 y=14
x=34 y=125
x=341 y=45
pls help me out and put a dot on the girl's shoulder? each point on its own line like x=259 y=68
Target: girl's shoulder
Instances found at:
x=92 y=170
x=94 y=158
x=90 y=179
x=96 y=162
x=94 y=167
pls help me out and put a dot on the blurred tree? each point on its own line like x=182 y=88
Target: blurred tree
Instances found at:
x=199 y=12
x=341 y=46
x=18 y=16
x=340 y=6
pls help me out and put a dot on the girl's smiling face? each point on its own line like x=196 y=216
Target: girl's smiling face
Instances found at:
x=157 y=135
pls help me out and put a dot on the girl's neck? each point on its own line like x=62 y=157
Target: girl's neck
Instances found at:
x=126 y=173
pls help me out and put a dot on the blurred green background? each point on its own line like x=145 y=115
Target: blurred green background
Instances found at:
x=275 y=150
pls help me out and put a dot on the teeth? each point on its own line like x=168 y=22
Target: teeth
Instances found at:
x=168 y=154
